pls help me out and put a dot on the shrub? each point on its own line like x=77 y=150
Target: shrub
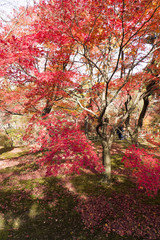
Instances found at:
x=5 y=141
x=144 y=168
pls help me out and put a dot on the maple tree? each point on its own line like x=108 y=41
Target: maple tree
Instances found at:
x=82 y=59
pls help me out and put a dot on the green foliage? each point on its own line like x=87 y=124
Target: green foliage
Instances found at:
x=5 y=141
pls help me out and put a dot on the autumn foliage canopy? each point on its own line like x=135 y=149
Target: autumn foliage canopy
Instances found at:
x=63 y=62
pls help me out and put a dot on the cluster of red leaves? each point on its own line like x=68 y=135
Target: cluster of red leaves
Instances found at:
x=120 y=214
x=66 y=148
x=145 y=169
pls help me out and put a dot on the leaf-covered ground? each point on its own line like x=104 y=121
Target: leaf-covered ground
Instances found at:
x=75 y=207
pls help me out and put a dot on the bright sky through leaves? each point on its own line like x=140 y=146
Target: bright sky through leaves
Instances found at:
x=7 y=6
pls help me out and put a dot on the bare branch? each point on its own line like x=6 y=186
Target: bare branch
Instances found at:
x=13 y=27
x=86 y=109
x=45 y=65
x=142 y=26
x=128 y=74
x=12 y=113
x=27 y=73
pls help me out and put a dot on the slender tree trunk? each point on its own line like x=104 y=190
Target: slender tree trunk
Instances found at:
x=46 y=110
x=106 y=142
x=86 y=126
x=106 y=158
x=140 y=120
x=143 y=112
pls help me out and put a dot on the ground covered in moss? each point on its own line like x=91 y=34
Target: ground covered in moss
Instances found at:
x=77 y=207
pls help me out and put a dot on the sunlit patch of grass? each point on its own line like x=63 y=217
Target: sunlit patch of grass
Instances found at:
x=20 y=168
x=6 y=170
x=122 y=184
x=11 y=154
x=116 y=161
x=24 y=168
x=90 y=185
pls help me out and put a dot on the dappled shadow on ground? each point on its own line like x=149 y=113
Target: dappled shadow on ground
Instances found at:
x=83 y=208
x=118 y=208
x=22 y=168
x=49 y=215
x=76 y=207
x=4 y=149
x=27 y=217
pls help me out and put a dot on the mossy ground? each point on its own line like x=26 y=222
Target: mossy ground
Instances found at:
x=39 y=208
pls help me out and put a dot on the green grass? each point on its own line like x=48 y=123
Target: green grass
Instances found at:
x=43 y=208
x=52 y=217
x=6 y=153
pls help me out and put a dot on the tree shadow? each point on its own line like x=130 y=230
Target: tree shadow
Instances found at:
x=45 y=209
x=51 y=215
x=24 y=216
x=6 y=149
x=128 y=211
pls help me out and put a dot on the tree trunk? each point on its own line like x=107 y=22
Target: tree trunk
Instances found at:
x=140 y=120
x=86 y=126
x=143 y=112
x=47 y=109
x=106 y=158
